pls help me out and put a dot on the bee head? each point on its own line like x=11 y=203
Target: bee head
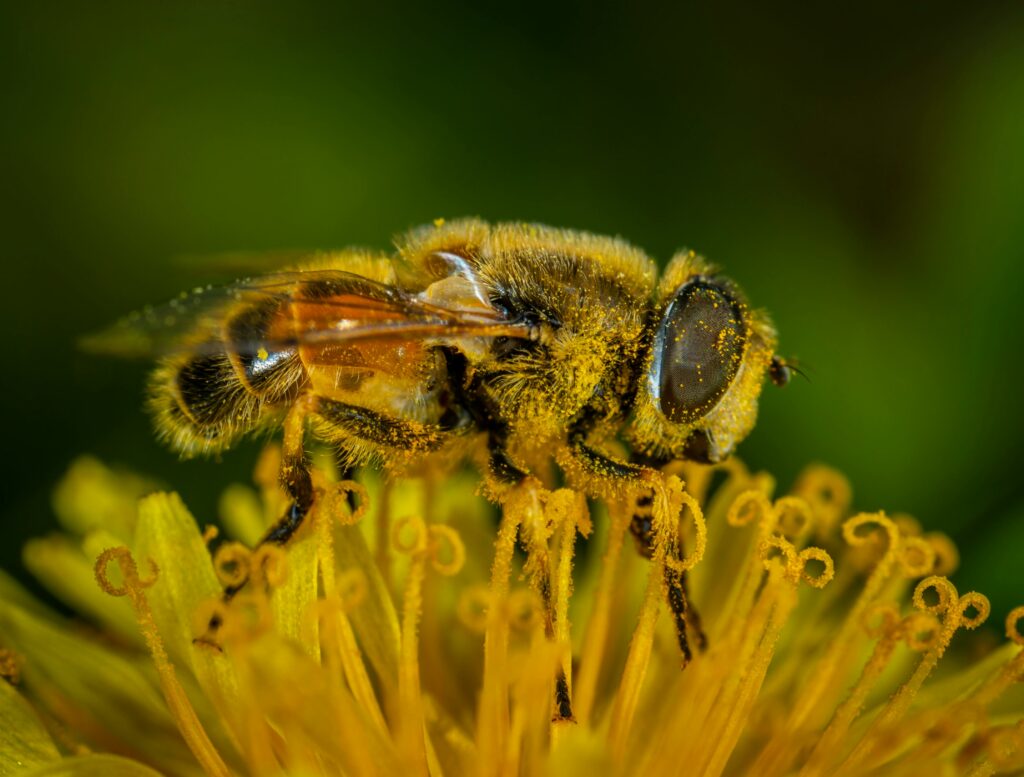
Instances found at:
x=702 y=377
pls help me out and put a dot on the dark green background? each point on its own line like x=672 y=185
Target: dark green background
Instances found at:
x=860 y=173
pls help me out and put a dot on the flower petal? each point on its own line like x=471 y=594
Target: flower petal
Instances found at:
x=109 y=699
x=67 y=573
x=167 y=534
x=24 y=742
x=94 y=765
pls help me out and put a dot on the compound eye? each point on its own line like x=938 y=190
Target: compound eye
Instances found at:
x=700 y=341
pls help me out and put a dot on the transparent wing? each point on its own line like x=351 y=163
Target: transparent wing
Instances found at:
x=321 y=306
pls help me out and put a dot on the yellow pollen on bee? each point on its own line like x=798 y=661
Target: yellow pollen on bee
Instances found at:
x=262 y=354
x=438 y=223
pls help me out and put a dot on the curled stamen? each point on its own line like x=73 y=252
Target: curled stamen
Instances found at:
x=269 y=564
x=210 y=533
x=524 y=611
x=973 y=601
x=472 y=606
x=947 y=557
x=680 y=497
x=412 y=545
x=246 y=617
x=748 y=507
x=1013 y=619
x=131 y=582
x=921 y=631
x=793 y=518
x=827 y=491
x=916 y=557
x=881 y=619
x=908 y=525
x=776 y=549
x=865 y=528
x=231 y=564
x=340 y=492
x=817 y=556
x=943 y=591
x=444 y=538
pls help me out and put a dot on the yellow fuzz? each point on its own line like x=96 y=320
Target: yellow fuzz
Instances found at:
x=423 y=634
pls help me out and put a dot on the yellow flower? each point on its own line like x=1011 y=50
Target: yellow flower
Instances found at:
x=412 y=637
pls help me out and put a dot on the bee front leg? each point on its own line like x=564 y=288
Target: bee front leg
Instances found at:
x=684 y=614
x=298 y=483
x=590 y=462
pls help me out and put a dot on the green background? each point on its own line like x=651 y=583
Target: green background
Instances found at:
x=860 y=173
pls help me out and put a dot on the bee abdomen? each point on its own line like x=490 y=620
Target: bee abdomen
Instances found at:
x=199 y=405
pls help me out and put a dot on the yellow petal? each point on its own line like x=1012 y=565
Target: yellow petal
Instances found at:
x=13 y=593
x=167 y=534
x=93 y=765
x=24 y=742
x=93 y=496
x=242 y=514
x=81 y=682
x=292 y=601
x=374 y=621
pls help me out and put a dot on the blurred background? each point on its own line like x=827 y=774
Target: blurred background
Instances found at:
x=860 y=173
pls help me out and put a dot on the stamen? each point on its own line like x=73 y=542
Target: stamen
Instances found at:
x=345 y=592
x=493 y=716
x=411 y=720
x=133 y=586
x=595 y=637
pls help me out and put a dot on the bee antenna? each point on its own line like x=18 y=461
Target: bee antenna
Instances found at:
x=781 y=369
x=801 y=372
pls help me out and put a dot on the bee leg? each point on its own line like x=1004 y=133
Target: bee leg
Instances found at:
x=596 y=463
x=379 y=429
x=683 y=613
x=346 y=472
x=500 y=463
x=296 y=480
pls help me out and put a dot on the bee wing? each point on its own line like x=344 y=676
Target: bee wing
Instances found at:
x=325 y=306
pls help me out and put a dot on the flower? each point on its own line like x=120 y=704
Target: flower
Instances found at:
x=410 y=636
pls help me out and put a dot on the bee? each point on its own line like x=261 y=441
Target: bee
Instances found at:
x=515 y=345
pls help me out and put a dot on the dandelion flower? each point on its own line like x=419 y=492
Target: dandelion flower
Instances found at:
x=426 y=633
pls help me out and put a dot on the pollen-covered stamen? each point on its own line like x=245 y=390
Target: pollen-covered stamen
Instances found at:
x=667 y=491
x=446 y=550
x=340 y=500
x=595 y=638
x=828 y=493
x=133 y=586
x=231 y=563
x=748 y=507
x=268 y=566
x=937 y=597
x=443 y=547
x=346 y=590
x=472 y=607
x=794 y=519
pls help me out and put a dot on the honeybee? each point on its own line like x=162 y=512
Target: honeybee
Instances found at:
x=514 y=344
